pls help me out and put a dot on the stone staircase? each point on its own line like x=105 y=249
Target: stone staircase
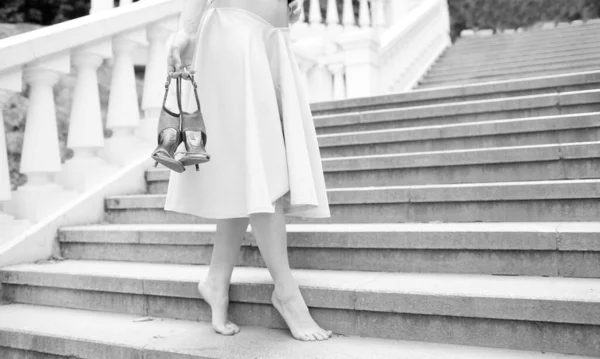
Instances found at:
x=465 y=224
x=533 y=53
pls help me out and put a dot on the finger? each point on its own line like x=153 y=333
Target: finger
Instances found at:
x=176 y=57
x=170 y=66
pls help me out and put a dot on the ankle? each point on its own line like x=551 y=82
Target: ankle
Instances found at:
x=286 y=292
x=215 y=285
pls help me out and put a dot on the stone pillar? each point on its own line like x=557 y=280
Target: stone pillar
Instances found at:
x=320 y=84
x=314 y=14
x=4 y=170
x=395 y=11
x=100 y=5
x=333 y=16
x=86 y=131
x=339 y=85
x=40 y=159
x=12 y=82
x=364 y=14
x=305 y=68
x=361 y=54
x=348 y=15
x=10 y=226
x=123 y=116
x=154 y=78
x=378 y=13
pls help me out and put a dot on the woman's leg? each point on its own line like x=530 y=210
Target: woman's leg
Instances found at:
x=269 y=230
x=215 y=288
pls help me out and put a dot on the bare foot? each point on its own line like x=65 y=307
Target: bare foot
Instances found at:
x=219 y=302
x=294 y=311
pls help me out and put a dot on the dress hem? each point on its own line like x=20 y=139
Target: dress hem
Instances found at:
x=247 y=214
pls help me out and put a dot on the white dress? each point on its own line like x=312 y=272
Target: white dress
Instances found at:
x=247 y=74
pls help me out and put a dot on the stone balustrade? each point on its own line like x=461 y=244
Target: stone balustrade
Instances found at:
x=385 y=46
x=412 y=46
x=37 y=59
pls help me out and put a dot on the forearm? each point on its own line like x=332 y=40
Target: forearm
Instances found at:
x=191 y=15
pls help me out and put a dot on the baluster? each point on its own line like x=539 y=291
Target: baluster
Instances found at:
x=304 y=16
x=378 y=13
x=333 y=17
x=339 y=85
x=314 y=13
x=40 y=158
x=10 y=226
x=395 y=10
x=154 y=77
x=86 y=131
x=320 y=84
x=305 y=67
x=100 y=5
x=348 y=15
x=123 y=116
x=362 y=65
x=364 y=16
x=4 y=170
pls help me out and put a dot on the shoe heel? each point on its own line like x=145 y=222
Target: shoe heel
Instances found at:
x=155 y=164
x=197 y=167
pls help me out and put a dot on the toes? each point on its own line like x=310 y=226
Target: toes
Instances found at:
x=233 y=327
x=227 y=329
x=305 y=337
x=320 y=336
x=326 y=333
x=224 y=331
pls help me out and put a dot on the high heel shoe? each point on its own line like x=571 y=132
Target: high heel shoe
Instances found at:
x=193 y=132
x=169 y=137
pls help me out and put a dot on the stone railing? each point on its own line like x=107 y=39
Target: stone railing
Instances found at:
x=386 y=47
x=80 y=46
x=411 y=47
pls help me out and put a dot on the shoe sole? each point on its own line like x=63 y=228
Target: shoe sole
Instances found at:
x=170 y=163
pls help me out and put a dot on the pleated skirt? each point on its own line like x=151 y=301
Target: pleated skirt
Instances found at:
x=261 y=134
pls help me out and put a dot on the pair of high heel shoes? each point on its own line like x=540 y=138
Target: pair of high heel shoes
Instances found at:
x=173 y=129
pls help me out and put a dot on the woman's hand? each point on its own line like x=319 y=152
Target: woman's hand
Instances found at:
x=181 y=55
x=295 y=11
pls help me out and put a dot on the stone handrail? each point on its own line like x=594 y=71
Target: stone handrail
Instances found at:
x=388 y=47
x=319 y=38
x=409 y=48
x=38 y=58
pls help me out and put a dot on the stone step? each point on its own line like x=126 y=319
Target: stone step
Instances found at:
x=479 y=91
x=499 y=164
x=496 y=57
x=453 y=57
x=471 y=81
x=568 y=32
x=31 y=332
x=522 y=69
x=525 y=39
x=538 y=249
x=476 y=65
x=527 y=313
x=520 y=50
x=542 y=29
x=532 y=201
x=501 y=133
x=461 y=112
